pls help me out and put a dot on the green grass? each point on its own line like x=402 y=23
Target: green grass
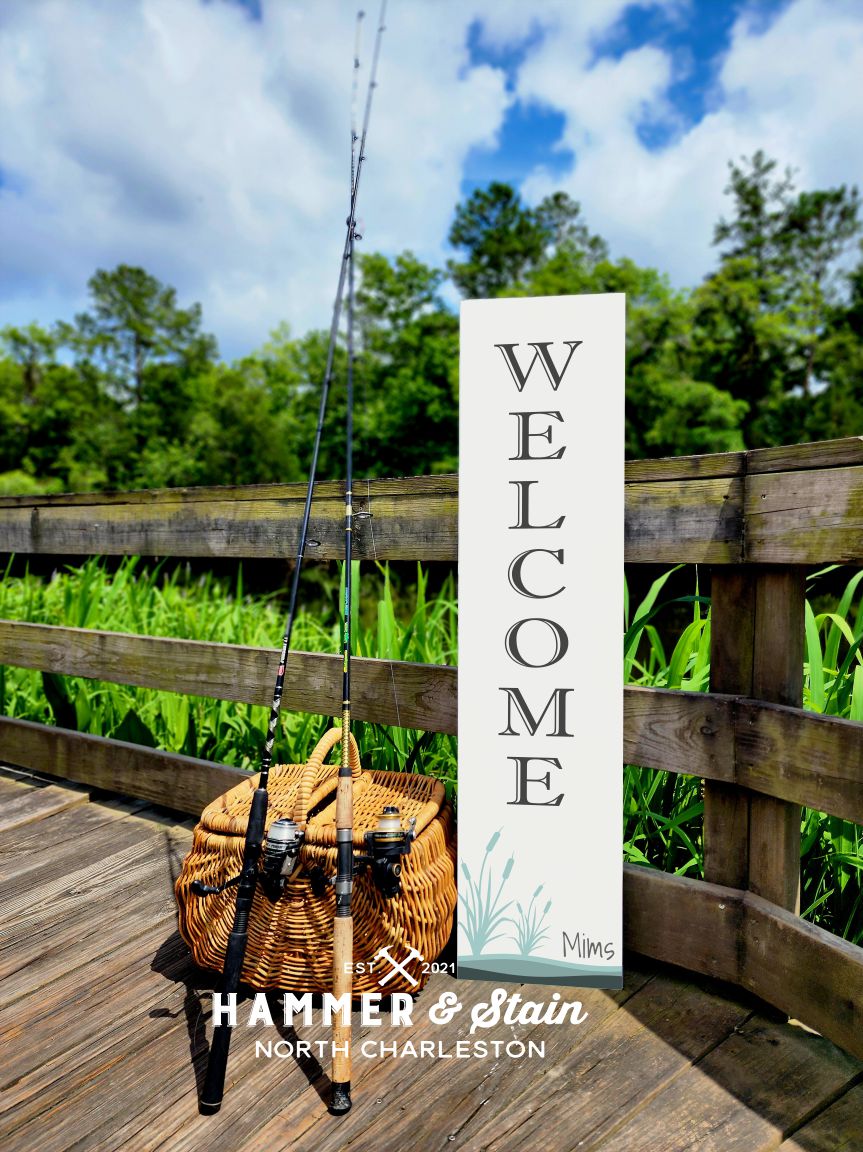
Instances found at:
x=148 y=600
x=663 y=812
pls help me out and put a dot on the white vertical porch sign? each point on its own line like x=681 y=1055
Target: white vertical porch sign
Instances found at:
x=540 y=701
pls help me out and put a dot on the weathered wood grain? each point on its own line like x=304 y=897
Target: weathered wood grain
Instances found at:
x=810 y=760
x=178 y=782
x=777 y=676
x=812 y=975
x=737 y=936
x=691 y=733
x=412 y=518
x=612 y=1072
x=805 y=517
x=799 y=457
x=838 y=1128
x=785 y=458
x=723 y=509
x=36 y=804
x=759 y=1083
x=773 y=749
x=685 y=521
x=709 y=466
x=463 y=1100
x=682 y=921
x=385 y=691
x=106 y=1050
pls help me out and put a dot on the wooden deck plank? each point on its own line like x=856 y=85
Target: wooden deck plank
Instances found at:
x=21 y=853
x=460 y=1099
x=308 y=1123
x=38 y=1051
x=42 y=953
x=31 y=805
x=743 y=1096
x=47 y=1061
x=56 y=869
x=838 y=1128
x=106 y=1044
x=633 y=1056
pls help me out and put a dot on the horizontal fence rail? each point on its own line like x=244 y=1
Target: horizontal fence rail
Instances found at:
x=384 y=691
x=800 y=505
x=812 y=760
x=408 y=519
x=182 y=783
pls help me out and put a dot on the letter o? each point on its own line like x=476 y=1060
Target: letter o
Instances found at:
x=561 y=642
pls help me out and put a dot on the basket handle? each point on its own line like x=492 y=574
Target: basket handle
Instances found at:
x=313 y=767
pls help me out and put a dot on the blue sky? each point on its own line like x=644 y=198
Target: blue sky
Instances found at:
x=206 y=139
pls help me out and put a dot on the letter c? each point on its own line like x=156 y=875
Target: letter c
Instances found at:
x=516 y=580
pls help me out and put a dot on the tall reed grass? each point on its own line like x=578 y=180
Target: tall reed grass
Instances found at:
x=663 y=811
x=150 y=600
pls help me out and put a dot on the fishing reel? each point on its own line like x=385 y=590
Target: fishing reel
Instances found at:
x=280 y=857
x=384 y=845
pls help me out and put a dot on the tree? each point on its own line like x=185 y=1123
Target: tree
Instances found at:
x=504 y=240
x=32 y=347
x=408 y=424
x=135 y=323
x=765 y=320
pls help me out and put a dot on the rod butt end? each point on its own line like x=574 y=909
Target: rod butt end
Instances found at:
x=340 y=1100
x=208 y=1108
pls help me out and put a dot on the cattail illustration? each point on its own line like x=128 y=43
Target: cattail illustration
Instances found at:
x=484 y=914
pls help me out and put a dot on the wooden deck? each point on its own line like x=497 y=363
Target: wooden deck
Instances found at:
x=104 y=1021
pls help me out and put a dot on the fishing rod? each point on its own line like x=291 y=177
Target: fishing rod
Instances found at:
x=284 y=841
x=343 y=924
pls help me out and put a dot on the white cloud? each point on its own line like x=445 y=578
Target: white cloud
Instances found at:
x=791 y=89
x=213 y=149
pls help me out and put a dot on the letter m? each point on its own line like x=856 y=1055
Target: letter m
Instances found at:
x=557 y=701
x=540 y=353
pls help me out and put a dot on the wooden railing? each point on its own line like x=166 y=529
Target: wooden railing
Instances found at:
x=759 y=519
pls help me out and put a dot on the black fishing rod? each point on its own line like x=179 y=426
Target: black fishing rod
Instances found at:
x=246 y=882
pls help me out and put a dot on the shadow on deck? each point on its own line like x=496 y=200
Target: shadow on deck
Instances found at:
x=104 y=1027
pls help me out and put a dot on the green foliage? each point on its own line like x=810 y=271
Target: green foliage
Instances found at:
x=134 y=323
x=148 y=601
x=663 y=811
x=504 y=241
x=768 y=349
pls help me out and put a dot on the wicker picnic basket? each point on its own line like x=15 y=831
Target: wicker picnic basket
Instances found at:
x=290 y=944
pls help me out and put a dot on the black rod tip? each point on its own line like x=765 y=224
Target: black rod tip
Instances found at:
x=208 y=1109
x=340 y=1100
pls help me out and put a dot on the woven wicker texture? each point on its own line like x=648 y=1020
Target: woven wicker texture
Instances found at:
x=290 y=943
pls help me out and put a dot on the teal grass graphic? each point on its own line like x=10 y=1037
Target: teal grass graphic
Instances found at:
x=484 y=914
x=484 y=920
x=529 y=931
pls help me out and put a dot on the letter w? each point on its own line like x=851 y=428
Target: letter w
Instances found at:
x=557 y=699
x=541 y=353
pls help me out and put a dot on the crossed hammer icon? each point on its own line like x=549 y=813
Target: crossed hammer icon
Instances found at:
x=396 y=966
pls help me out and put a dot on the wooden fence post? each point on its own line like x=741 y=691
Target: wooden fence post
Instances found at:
x=757 y=630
